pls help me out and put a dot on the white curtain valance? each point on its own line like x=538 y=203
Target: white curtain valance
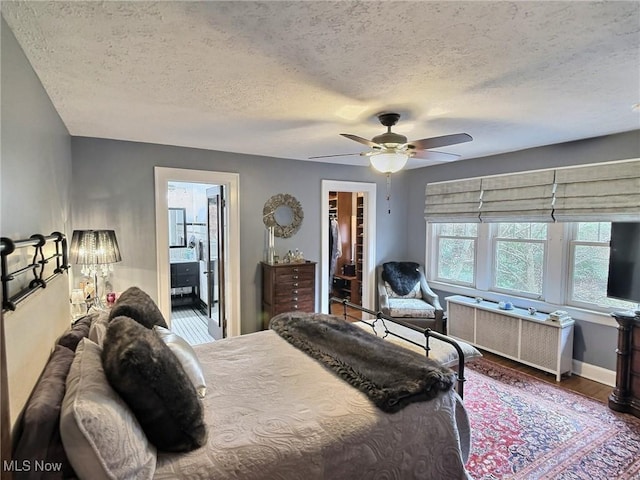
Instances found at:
x=603 y=192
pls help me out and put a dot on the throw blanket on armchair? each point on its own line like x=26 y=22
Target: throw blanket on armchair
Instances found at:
x=401 y=276
x=390 y=375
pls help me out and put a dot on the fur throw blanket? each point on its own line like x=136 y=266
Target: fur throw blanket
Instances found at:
x=390 y=375
x=401 y=276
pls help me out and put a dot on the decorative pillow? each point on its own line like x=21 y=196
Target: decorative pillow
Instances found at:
x=416 y=292
x=100 y=434
x=187 y=357
x=98 y=329
x=149 y=377
x=77 y=332
x=136 y=304
x=40 y=437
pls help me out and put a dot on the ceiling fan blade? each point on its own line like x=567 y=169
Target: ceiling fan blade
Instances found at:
x=336 y=155
x=443 y=141
x=435 y=156
x=364 y=141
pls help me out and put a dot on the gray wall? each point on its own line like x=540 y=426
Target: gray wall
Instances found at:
x=113 y=186
x=35 y=173
x=594 y=344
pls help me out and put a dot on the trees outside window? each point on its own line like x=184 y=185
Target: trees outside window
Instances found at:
x=590 y=266
x=520 y=258
x=456 y=257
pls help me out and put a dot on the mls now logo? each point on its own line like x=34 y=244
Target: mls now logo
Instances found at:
x=31 y=466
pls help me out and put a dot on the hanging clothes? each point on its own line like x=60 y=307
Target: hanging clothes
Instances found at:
x=335 y=248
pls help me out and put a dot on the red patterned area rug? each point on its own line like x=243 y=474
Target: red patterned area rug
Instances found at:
x=523 y=428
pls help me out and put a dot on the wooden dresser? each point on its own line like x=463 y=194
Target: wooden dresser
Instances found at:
x=287 y=287
x=626 y=395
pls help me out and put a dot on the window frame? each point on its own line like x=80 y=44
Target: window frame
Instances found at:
x=557 y=273
x=572 y=242
x=434 y=270
x=494 y=260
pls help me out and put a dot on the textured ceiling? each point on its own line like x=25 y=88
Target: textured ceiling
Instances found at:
x=284 y=79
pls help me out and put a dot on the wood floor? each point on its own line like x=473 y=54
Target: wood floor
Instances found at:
x=588 y=388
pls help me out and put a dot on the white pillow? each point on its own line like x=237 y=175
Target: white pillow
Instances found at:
x=100 y=434
x=186 y=356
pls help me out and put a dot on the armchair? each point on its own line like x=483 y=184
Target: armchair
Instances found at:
x=403 y=293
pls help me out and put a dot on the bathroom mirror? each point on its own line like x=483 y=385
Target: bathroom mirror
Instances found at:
x=177 y=227
x=284 y=213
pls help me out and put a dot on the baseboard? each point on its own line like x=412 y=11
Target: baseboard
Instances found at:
x=595 y=373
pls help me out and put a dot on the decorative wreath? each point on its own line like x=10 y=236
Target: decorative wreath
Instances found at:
x=269 y=214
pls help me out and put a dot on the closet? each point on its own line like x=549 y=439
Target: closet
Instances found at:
x=346 y=235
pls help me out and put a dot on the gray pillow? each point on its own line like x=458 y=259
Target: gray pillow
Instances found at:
x=98 y=329
x=186 y=356
x=77 y=332
x=136 y=304
x=40 y=438
x=151 y=380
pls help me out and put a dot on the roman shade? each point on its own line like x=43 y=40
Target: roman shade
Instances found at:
x=600 y=192
x=527 y=196
x=455 y=201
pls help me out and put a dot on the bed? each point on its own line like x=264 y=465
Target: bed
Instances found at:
x=270 y=411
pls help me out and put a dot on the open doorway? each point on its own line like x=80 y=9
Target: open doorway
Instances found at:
x=209 y=282
x=357 y=238
x=196 y=248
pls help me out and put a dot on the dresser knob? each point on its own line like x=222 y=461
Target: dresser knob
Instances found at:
x=295 y=307
x=294 y=291
x=295 y=277
x=295 y=299
x=295 y=284
x=295 y=270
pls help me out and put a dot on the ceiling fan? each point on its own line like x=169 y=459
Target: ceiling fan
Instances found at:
x=390 y=151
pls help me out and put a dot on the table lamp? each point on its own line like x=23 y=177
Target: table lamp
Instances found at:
x=95 y=250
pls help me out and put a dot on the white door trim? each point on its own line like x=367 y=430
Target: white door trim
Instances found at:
x=369 y=246
x=163 y=176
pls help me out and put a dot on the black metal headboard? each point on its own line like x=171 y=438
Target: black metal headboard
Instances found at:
x=36 y=267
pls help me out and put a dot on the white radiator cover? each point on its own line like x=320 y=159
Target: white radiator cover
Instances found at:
x=531 y=339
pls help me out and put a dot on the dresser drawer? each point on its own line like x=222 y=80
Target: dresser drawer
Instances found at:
x=185 y=274
x=294 y=274
x=187 y=280
x=184 y=268
x=292 y=306
x=284 y=294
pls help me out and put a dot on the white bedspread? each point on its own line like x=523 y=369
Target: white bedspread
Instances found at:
x=274 y=413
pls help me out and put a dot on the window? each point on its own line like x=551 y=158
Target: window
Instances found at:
x=590 y=266
x=519 y=257
x=456 y=252
x=562 y=263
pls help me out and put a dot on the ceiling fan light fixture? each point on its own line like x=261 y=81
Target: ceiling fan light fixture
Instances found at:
x=388 y=162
